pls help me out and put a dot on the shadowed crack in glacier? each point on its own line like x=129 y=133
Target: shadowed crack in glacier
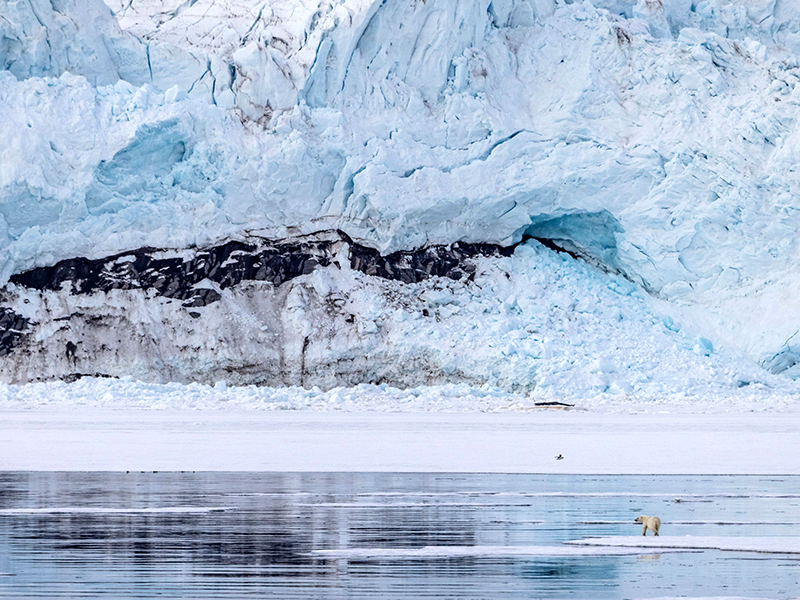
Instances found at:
x=591 y=236
x=787 y=360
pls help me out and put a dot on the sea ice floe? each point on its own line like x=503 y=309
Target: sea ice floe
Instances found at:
x=434 y=552
x=767 y=544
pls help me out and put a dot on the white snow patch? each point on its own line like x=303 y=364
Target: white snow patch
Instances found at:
x=67 y=510
x=767 y=544
x=429 y=552
x=706 y=598
x=66 y=438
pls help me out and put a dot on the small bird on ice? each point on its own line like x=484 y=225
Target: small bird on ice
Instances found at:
x=559 y=457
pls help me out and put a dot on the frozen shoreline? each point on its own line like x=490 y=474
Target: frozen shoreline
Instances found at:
x=106 y=439
x=118 y=425
x=127 y=393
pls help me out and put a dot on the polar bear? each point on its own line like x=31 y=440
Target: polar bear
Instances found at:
x=651 y=523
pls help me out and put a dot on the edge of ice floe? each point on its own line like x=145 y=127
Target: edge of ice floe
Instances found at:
x=70 y=510
x=477 y=552
x=763 y=544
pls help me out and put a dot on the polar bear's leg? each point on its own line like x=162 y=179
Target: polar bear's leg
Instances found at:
x=644 y=529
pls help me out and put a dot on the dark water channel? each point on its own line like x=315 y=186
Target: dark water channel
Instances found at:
x=242 y=535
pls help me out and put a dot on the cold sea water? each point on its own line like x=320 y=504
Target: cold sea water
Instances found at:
x=347 y=535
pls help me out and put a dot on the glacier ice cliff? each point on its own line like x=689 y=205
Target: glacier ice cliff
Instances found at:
x=323 y=311
x=657 y=140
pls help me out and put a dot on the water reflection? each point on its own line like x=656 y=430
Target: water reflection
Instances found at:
x=231 y=535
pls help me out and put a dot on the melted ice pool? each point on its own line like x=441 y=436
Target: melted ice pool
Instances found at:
x=339 y=535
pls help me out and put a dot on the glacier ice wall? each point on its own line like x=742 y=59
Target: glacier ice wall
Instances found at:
x=656 y=138
x=321 y=311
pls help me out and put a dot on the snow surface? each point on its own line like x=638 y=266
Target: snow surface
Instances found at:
x=657 y=138
x=428 y=552
x=68 y=510
x=770 y=545
x=116 y=439
x=707 y=598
